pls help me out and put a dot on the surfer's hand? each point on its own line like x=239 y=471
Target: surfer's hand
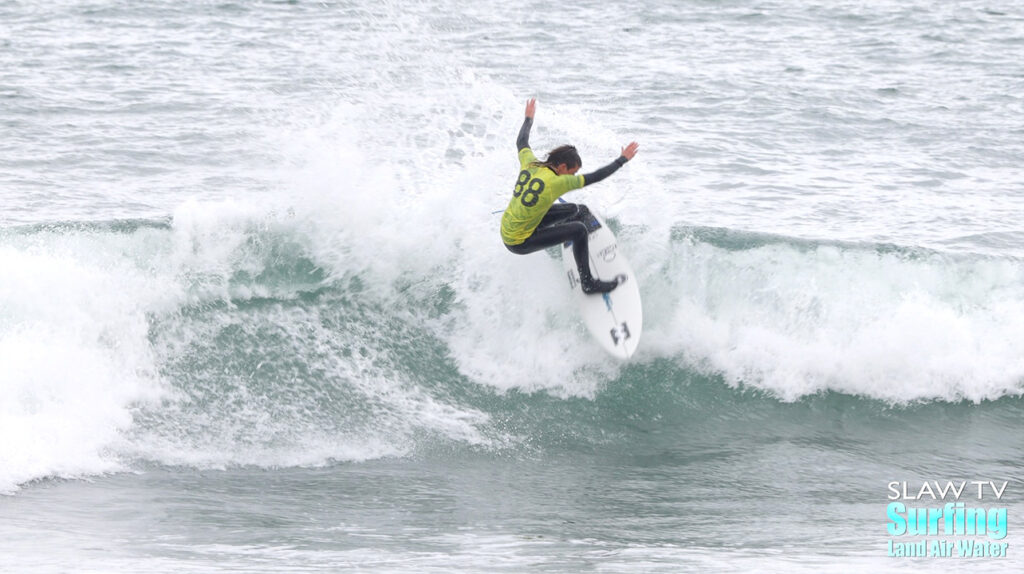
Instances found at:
x=630 y=150
x=531 y=107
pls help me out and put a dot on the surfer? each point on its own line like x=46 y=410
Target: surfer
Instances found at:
x=532 y=221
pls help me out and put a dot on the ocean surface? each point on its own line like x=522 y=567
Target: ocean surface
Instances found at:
x=256 y=316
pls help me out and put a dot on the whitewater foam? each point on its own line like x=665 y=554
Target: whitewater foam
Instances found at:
x=797 y=319
x=73 y=343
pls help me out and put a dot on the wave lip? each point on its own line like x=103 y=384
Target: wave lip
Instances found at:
x=799 y=317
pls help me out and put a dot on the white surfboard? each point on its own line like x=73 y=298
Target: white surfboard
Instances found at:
x=614 y=319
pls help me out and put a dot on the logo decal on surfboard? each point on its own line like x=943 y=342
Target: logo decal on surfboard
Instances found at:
x=608 y=253
x=620 y=333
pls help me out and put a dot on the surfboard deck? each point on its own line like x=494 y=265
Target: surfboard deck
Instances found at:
x=614 y=319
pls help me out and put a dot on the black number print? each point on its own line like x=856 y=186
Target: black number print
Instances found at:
x=528 y=189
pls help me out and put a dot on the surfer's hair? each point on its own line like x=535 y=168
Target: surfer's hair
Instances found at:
x=566 y=154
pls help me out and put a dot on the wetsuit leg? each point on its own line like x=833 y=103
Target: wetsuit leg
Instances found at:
x=552 y=235
x=570 y=212
x=560 y=212
x=557 y=227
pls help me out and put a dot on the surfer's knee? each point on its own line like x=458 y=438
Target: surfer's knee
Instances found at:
x=578 y=231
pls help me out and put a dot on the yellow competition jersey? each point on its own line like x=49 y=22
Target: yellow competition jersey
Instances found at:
x=536 y=189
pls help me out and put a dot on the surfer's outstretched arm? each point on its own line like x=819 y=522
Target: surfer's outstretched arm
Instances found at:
x=523 y=141
x=627 y=154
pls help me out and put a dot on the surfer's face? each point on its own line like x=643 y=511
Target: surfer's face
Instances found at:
x=562 y=169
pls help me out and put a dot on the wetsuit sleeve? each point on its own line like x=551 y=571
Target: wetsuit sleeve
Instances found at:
x=523 y=141
x=605 y=171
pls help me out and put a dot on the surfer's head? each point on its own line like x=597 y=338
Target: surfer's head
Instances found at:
x=564 y=160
